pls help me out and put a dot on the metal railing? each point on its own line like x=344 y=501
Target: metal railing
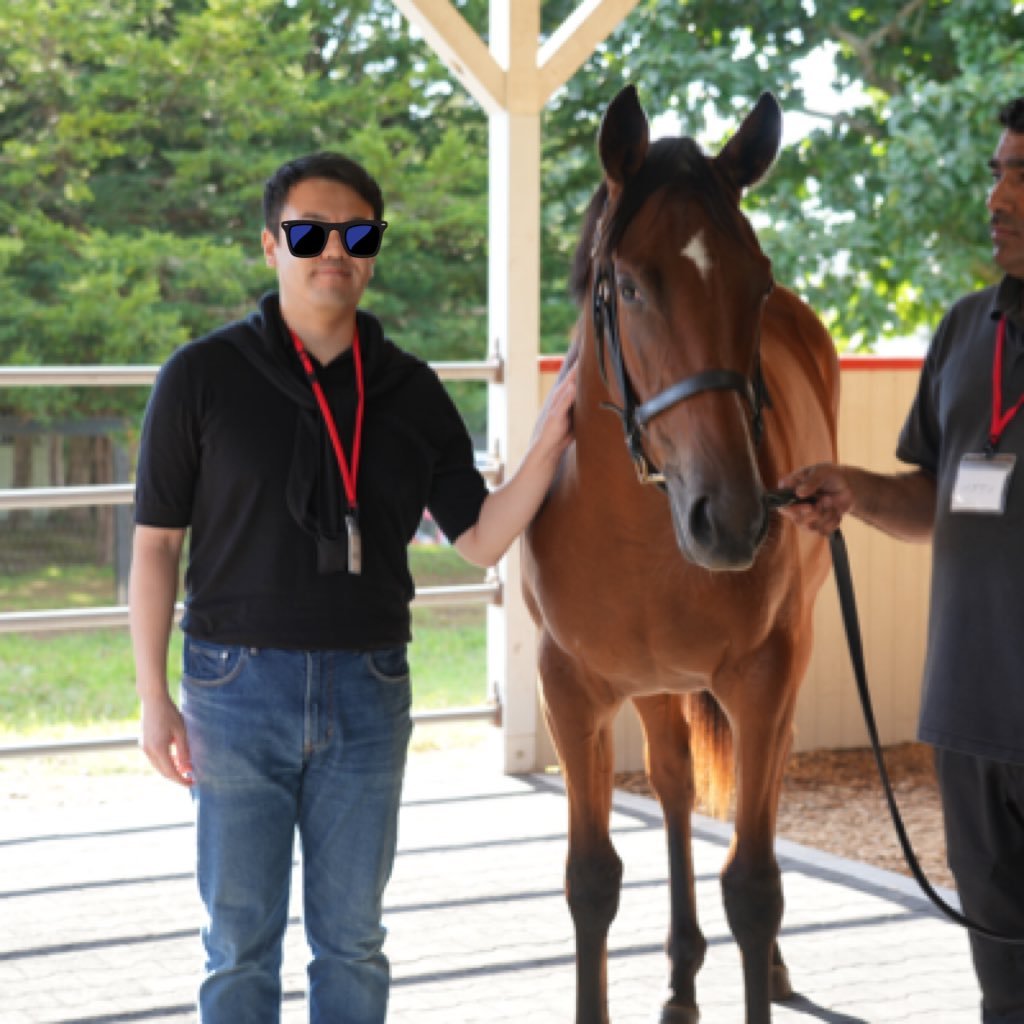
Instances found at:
x=66 y=497
x=53 y=620
x=489 y=370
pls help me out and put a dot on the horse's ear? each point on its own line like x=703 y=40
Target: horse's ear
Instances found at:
x=752 y=150
x=624 y=137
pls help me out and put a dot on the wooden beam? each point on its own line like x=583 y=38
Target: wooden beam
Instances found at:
x=514 y=32
x=453 y=39
x=575 y=40
x=499 y=79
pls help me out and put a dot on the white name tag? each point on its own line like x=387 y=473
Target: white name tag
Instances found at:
x=982 y=482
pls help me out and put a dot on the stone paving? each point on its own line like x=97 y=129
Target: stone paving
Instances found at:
x=98 y=917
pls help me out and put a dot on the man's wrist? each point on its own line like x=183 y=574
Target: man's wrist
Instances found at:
x=152 y=689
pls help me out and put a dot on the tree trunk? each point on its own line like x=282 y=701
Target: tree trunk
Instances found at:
x=56 y=449
x=80 y=474
x=103 y=473
x=22 y=477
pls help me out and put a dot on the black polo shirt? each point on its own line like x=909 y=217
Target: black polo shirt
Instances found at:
x=234 y=447
x=973 y=698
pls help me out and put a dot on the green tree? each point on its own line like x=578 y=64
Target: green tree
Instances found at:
x=135 y=137
x=134 y=142
x=877 y=215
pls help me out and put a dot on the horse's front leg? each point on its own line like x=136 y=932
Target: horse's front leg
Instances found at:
x=670 y=771
x=761 y=713
x=581 y=727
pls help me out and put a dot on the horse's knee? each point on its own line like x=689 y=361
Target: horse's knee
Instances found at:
x=753 y=904
x=592 y=885
x=672 y=781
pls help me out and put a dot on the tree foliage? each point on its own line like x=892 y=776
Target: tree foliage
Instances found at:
x=876 y=215
x=135 y=138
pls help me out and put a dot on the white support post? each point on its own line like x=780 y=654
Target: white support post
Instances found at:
x=512 y=82
x=513 y=302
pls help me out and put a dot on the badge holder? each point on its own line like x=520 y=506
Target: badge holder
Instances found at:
x=982 y=483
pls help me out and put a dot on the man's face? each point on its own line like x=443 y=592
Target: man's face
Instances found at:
x=1006 y=204
x=333 y=280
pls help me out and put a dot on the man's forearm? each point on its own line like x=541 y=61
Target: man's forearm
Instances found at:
x=152 y=593
x=507 y=511
x=902 y=505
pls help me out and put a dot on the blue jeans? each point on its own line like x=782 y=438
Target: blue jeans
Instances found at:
x=314 y=740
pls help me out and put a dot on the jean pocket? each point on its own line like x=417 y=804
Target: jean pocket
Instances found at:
x=389 y=665
x=208 y=664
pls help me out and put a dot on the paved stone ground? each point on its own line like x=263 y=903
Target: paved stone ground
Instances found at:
x=98 y=917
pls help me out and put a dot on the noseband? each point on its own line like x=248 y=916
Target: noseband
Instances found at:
x=636 y=416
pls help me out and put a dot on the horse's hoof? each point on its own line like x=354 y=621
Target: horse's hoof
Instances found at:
x=781 y=987
x=674 y=1014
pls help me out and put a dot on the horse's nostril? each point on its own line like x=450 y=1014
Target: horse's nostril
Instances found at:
x=701 y=527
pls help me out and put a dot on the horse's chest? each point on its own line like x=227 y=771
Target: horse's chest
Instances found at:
x=631 y=612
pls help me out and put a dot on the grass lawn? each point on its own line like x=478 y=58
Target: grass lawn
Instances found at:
x=80 y=684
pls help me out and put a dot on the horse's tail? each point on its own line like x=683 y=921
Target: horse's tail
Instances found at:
x=711 y=748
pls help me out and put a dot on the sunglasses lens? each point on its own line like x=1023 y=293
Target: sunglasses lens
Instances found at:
x=363 y=240
x=306 y=239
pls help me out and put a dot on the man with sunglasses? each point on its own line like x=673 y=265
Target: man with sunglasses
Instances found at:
x=963 y=439
x=300 y=447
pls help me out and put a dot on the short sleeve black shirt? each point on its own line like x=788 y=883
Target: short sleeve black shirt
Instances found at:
x=234 y=447
x=973 y=698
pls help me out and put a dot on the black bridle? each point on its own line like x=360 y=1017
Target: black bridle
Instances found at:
x=636 y=415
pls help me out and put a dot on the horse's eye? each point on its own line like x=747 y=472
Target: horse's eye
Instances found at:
x=629 y=292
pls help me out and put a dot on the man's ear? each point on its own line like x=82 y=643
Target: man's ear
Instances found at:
x=269 y=243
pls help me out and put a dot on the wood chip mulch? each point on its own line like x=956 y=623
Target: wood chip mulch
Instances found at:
x=833 y=800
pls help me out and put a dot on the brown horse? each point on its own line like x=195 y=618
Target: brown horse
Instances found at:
x=693 y=597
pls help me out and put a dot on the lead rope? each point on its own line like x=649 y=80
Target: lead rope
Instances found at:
x=851 y=624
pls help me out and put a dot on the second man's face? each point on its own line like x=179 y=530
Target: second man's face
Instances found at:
x=1006 y=204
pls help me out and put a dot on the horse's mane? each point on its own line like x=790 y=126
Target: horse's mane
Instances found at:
x=679 y=163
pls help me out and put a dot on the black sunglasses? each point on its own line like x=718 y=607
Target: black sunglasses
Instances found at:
x=308 y=238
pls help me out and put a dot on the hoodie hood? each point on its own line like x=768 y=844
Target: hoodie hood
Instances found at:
x=264 y=340
x=315 y=493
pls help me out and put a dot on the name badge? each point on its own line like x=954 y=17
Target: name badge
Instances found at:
x=982 y=482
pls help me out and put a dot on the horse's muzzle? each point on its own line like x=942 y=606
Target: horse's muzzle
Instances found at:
x=717 y=535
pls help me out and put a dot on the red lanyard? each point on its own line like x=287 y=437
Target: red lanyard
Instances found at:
x=1000 y=419
x=349 y=475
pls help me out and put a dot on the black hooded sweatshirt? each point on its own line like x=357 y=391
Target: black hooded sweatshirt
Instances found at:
x=234 y=447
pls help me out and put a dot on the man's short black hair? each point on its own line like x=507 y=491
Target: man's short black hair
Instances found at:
x=332 y=166
x=1012 y=116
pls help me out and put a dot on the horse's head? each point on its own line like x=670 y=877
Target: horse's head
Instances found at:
x=677 y=283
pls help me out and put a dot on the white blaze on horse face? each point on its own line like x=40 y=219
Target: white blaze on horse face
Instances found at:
x=697 y=252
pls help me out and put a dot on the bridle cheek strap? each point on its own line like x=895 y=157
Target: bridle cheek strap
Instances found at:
x=635 y=418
